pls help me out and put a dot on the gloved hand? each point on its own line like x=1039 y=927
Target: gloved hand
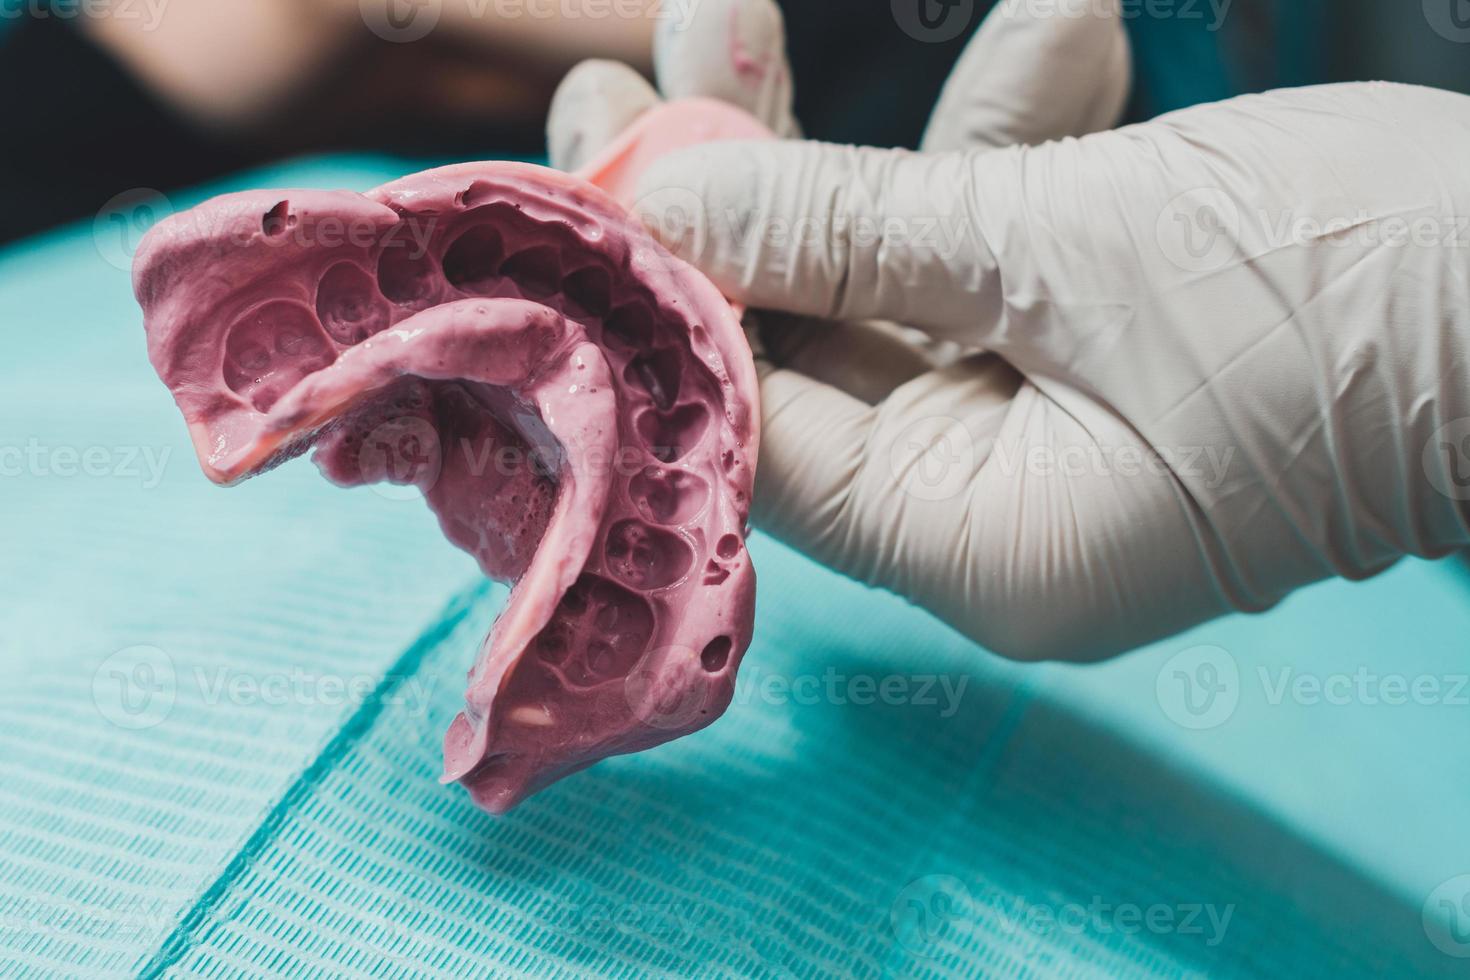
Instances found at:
x=1225 y=350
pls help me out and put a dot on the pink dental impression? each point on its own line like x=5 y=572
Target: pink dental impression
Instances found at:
x=578 y=407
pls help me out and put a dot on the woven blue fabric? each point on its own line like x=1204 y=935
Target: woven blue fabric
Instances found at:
x=223 y=713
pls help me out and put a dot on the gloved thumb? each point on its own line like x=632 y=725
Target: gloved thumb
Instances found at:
x=837 y=232
x=592 y=106
x=1035 y=72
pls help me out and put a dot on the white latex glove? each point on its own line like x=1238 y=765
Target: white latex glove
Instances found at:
x=1197 y=398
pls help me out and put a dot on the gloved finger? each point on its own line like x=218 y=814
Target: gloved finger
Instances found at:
x=836 y=232
x=813 y=441
x=991 y=503
x=732 y=50
x=845 y=482
x=595 y=102
x=1029 y=76
x=865 y=360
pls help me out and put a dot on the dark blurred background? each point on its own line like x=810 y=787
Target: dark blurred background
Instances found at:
x=100 y=104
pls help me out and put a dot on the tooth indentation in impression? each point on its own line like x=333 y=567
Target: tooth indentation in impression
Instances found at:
x=629 y=328
x=269 y=350
x=668 y=496
x=348 y=304
x=659 y=373
x=646 y=557
x=472 y=261
x=537 y=270
x=405 y=274
x=671 y=435
x=598 y=632
x=591 y=289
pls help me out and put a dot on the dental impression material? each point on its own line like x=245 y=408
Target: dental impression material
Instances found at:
x=578 y=406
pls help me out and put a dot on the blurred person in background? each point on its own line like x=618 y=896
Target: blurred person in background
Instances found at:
x=111 y=95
